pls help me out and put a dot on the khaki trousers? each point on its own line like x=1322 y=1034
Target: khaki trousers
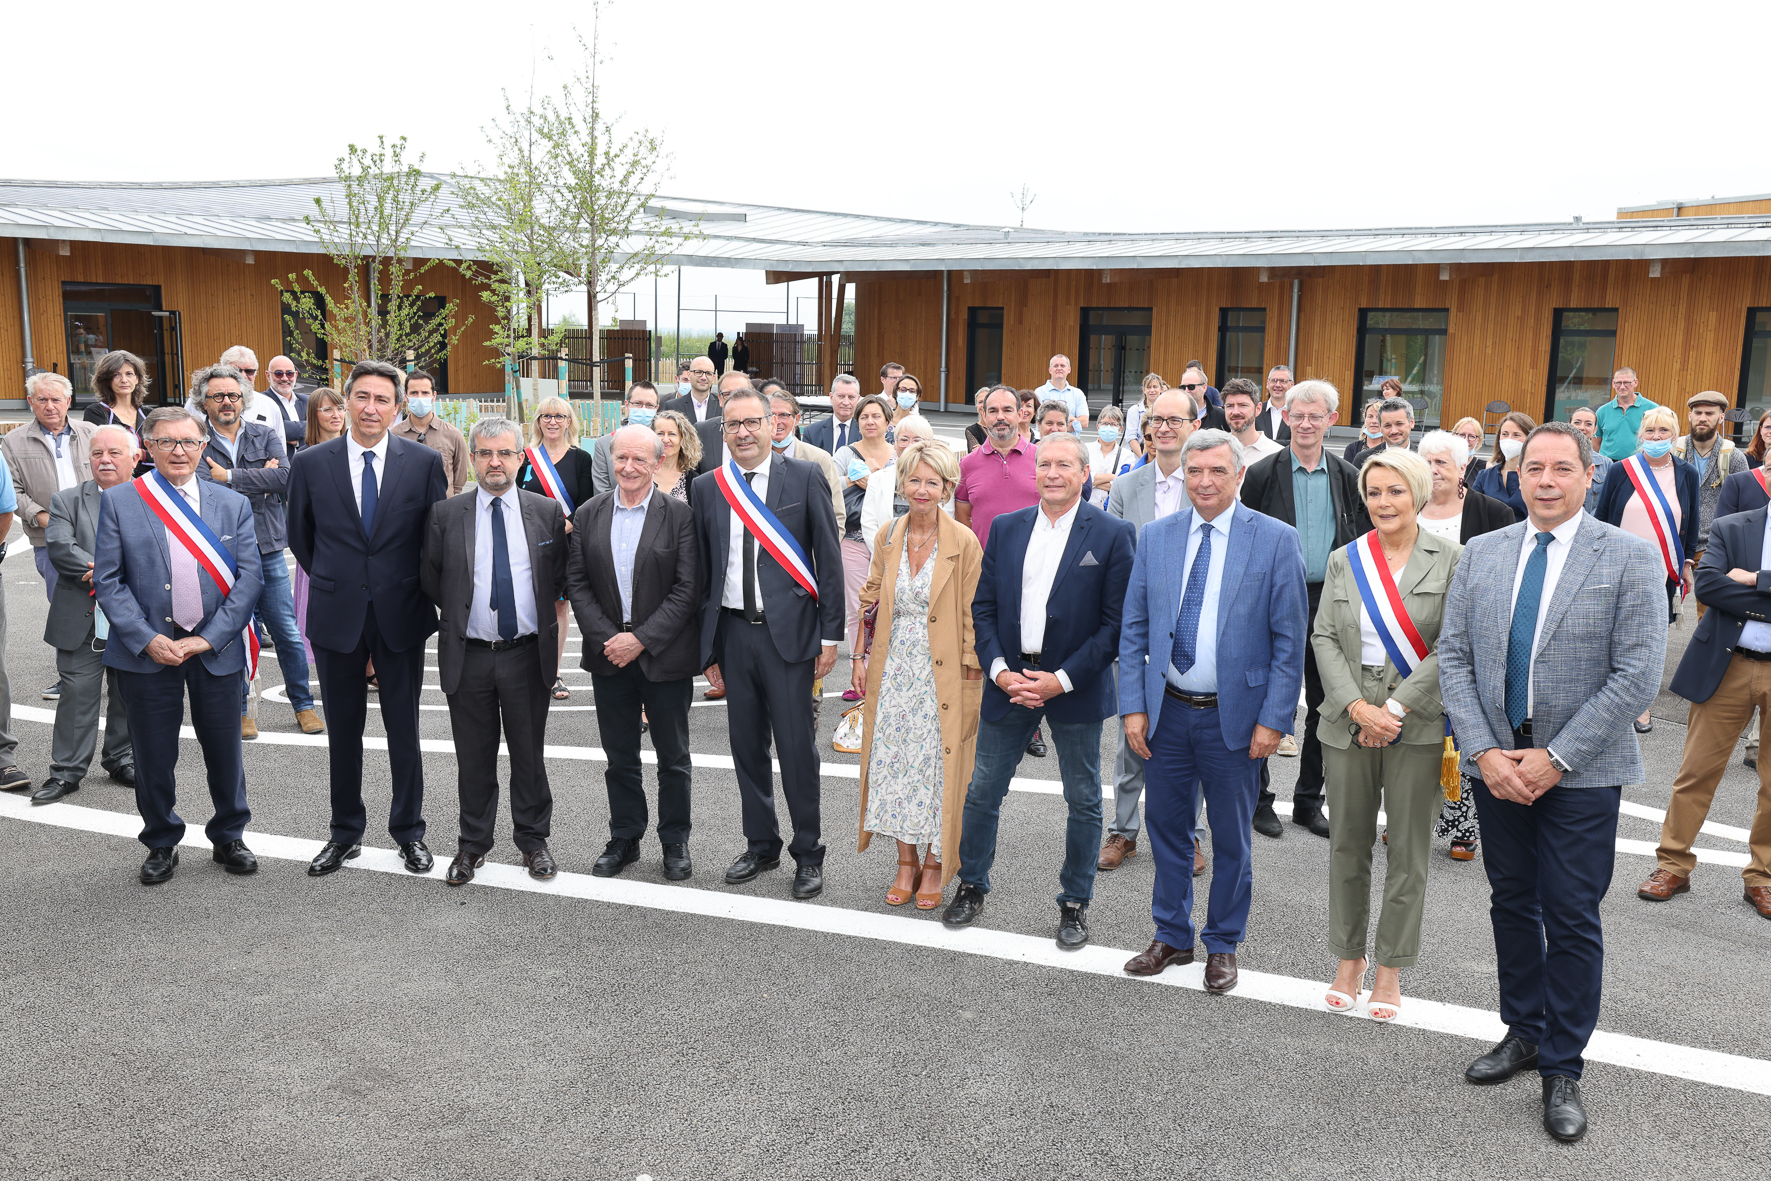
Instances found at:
x=1404 y=779
x=1710 y=734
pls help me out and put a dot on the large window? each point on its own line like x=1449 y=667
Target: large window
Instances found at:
x=1755 y=368
x=1242 y=335
x=1407 y=344
x=1115 y=354
x=99 y=317
x=1583 y=344
x=983 y=349
x=301 y=341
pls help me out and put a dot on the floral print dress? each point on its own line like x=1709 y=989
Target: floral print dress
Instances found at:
x=905 y=773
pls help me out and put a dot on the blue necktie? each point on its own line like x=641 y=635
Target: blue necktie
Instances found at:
x=368 y=493
x=504 y=595
x=1192 y=605
x=1524 y=630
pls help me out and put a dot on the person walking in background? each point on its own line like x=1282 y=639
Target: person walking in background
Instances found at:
x=1381 y=725
x=554 y=465
x=1210 y=664
x=1500 y=479
x=921 y=678
x=1554 y=638
x=120 y=384
x=1714 y=458
x=740 y=355
x=422 y=425
x=717 y=353
x=325 y=421
x=493 y=559
x=357 y=511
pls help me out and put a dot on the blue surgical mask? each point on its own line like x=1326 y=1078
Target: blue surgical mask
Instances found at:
x=907 y=401
x=1655 y=448
x=859 y=470
x=641 y=415
x=684 y=388
x=419 y=407
x=1372 y=432
x=784 y=444
x=1109 y=434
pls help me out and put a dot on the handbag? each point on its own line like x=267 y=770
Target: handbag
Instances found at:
x=847 y=739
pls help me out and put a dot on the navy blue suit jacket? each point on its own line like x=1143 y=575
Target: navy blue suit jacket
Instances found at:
x=1081 y=617
x=345 y=568
x=822 y=434
x=1736 y=541
x=1740 y=493
x=1618 y=489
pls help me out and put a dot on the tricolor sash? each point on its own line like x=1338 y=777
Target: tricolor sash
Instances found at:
x=549 y=478
x=1764 y=484
x=189 y=530
x=1660 y=514
x=1383 y=602
x=764 y=525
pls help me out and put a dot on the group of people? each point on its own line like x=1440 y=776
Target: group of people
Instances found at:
x=1192 y=593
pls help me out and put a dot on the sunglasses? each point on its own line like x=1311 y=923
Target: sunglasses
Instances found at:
x=1194 y=386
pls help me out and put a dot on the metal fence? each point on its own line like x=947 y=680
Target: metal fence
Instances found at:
x=792 y=358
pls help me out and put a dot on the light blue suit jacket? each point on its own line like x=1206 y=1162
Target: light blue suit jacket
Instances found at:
x=1263 y=614
x=132 y=573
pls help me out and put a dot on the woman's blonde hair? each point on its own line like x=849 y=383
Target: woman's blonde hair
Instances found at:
x=553 y=406
x=938 y=456
x=1658 y=416
x=688 y=442
x=1411 y=467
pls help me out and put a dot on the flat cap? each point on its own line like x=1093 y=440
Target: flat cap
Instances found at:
x=1709 y=398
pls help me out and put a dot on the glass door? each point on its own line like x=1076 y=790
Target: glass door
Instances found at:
x=1582 y=345
x=1115 y=354
x=983 y=350
x=100 y=317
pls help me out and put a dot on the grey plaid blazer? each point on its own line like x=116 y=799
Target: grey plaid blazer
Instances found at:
x=1598 y=663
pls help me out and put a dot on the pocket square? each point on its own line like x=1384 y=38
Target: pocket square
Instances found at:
x=539 y=544
x=1088 y=559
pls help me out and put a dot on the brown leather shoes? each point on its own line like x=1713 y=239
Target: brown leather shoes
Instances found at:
x=1153 y=959
x=1661 y=885
x=1760 y=897
x=1198 y=861
x=1220 y=971
x=309 y=721
x=540 y=864
x=248 y=729
x=1116 y=850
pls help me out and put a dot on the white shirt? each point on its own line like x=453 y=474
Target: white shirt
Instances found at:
x=700 y=407
x=733 y=595
x=1556 y=556
x=1170 y=491
x=354 y=450
x=1253 y=453
x=482 y=621
x=1756 y=635
x=61 y=449
x=1039 y=569
x=1203 y=676
x=291 y=412
x=1274 y=414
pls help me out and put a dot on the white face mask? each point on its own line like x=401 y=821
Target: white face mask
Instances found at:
x=1510 y=448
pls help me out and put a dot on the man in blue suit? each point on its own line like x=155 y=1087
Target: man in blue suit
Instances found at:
x=1046 y=617
x=357 y=511
x=1211 y=661
x=838 y=429
x=173 y=630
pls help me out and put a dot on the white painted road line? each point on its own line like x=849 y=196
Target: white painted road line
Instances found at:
x=1705 y=1066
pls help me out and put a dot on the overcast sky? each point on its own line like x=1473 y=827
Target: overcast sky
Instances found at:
x=1129 y=115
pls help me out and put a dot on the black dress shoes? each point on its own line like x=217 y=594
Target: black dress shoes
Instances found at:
x=461 y=869
x=808 y=882
x=417 y=857
x=617 y=855
x=540 y=864
x=235 y=857
x=1563 y=1115
x=332 y=856
x=1512 y=1055
x=1072 y=925
x=1220 y=971
x=1266 y=821
x=677 y=866
x=1036 y=748
x=124 y=774
x=1312 y=819
x=1153 y=959
x=53 y=790
x=159 y=865
x=967 y=904
x=748 y=865
x=12 y=779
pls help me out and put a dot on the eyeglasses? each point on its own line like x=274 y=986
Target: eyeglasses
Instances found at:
x=733 y=426
x=179 y=444
x=909 y=389
x=282 y=373
x=226 y=397
x=1191 y=386
x=551 y=417
x=506 y=456
x=1309 y=419
x=253 y=372
x=783 y=415
x=1175 y=423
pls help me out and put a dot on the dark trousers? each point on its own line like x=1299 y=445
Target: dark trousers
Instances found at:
x=501 y=687
x=1307 y=796
x=768 y=695
x=1549 y=864
x=1187 y=755
x=155 y=705
x=346 y=694
x=620 y=696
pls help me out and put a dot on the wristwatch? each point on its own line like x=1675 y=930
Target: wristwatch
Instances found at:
x=1556 y=762
x=1395 y=707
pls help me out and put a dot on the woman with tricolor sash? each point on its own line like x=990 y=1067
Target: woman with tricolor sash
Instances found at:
x=555 y=466
x=1382 y=726
x=1653 y=494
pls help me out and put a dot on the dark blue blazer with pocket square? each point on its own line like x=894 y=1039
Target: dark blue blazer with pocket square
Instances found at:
x=1081 y=616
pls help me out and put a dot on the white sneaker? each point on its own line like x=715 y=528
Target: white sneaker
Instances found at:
x=1288 y=747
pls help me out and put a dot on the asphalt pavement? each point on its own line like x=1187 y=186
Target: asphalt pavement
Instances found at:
x=376 y=1024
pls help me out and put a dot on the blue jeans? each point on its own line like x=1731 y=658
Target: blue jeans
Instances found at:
x=1000 y=747
x=276 y=608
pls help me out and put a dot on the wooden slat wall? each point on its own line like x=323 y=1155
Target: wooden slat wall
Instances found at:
x=223 y=301
x=1681 y=332
x=1708 y=209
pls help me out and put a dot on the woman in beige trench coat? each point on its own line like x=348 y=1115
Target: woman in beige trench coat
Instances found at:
x=921 y=678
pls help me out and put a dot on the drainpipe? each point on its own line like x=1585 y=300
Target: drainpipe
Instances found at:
x=945 y=277
x=1291 y=360
x=24 y=305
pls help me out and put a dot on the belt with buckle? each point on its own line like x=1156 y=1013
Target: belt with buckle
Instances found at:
x=1191 y=700
x=739 y=612
x=502 y=645
x=1030 y=660
x=1753 y=654
x=627 y=627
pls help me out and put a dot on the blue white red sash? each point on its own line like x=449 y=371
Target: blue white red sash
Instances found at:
x=1764 y=484
x=1660 y=513
x=1383 y=602
x=764 y=525
x=549 y=478
x=190 y=531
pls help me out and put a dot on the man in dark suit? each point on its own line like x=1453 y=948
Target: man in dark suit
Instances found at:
x=838 y=428
x=493 y=558
x=174 y=630
x=1331 y=513
x=1270 y=419
x=1741 y=493
x=357 y=509
x=718 y=351
x=72 y=627
x=699 y=404
x=764 y=635
x=634 y=579
x=1046 y=617
x=1211 y=413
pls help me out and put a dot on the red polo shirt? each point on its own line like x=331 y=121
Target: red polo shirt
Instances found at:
x=993 y=484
